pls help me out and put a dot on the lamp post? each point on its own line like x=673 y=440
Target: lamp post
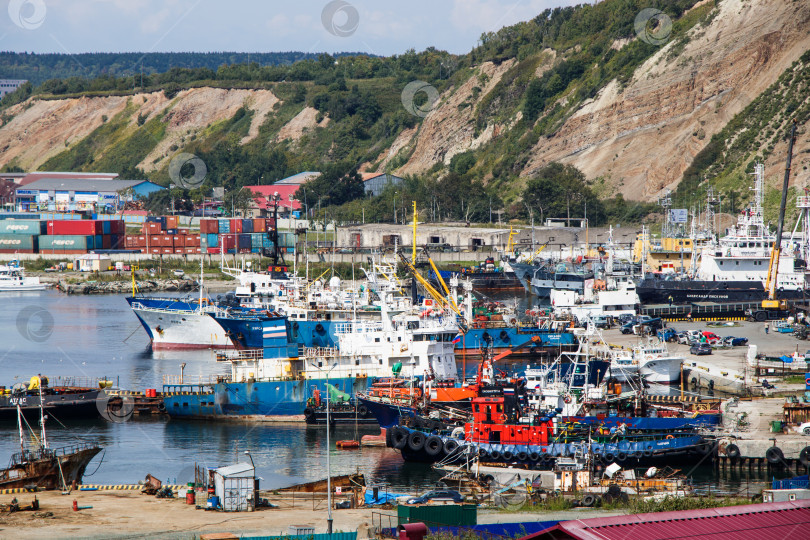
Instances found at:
x=395 y=208
x=328 y=449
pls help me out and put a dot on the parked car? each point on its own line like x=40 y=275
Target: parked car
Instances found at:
x=437 y=494
x=711 y=338
x=700 y=349
x=683 y=338
x=804 y=428
x=732 y=341
x=667 y=334
x=179 y=272
x=602 y=321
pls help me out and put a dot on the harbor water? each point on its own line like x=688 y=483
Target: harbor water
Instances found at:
x=90 y=337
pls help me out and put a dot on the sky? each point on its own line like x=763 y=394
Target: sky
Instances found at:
x=376 y=27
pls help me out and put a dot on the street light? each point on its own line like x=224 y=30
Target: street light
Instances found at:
x=395 y=208
x=328 y=448
x=247 y=453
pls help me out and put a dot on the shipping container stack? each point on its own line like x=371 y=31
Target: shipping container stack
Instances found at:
x=160 y=235
x=60 y=236
x=82 y=236
x=241 y=236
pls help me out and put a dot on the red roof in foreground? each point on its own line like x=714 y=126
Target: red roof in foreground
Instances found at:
x=783 y=520
x=284 y=191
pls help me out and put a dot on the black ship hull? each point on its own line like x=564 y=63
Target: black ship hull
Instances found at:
x=656 y=291
x=59 y=402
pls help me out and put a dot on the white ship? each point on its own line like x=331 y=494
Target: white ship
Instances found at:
x=744 y=252
x=13 y=278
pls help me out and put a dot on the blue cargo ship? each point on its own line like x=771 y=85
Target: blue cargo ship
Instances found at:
x=269 y=383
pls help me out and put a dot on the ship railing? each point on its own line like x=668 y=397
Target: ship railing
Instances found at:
x=242 y=355
x=353 y=327
x=186 y=380
x=80 y=382
x=319 y=352
x=141 y=307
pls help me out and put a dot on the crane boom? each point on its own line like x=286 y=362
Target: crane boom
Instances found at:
x=773 y=265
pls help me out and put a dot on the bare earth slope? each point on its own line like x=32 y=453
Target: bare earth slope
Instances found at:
x=644 y=136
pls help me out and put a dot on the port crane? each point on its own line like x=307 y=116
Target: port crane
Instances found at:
x=772 y=302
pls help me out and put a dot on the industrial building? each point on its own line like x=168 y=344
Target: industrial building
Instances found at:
x=444 y=237
x=375 y=183
x=65 y=193
x=8 y=86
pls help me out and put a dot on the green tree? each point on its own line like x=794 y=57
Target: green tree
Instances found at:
x=562 y=191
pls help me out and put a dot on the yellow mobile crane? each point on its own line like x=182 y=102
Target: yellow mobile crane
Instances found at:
x=772 y=302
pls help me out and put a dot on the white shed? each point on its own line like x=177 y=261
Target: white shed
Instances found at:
x=234 y=485
x=92 y=262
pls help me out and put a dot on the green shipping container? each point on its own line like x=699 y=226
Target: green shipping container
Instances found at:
x=22 y=226
x=20 y=242
x=66 y=241
x=451 y=515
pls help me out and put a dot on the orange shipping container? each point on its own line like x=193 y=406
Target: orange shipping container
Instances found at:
x=258 y=225
x=171 y=222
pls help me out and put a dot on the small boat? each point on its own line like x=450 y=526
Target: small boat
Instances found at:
x=43 y=467
x=13 y=278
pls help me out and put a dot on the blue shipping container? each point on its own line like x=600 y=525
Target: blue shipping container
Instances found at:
x=247 y=225
x=97 y=243
x=243 y=241
x=224 y=225
x=267 y=242
x=256 y=239
x=105 y=227
x=213 y=239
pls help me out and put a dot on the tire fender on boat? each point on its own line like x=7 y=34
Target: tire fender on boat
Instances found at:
x=416 y=440
x=434 y=445
x=732 y=451
x=399 y=437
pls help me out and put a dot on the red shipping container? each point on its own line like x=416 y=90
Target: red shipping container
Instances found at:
x=154 y=241
x=171 y=222
x=182 y=231
x=179 y=251
x=106 y=242
x=167 y=241
x=167 y=250
x=177 y=241
x=236 y=226
x=151 y=227
x=140 y=241
x=154 y=251
x=229 y=241
x=209 y=226
x=75 y=226
x=269 y=224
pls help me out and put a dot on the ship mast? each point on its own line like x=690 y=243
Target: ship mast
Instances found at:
x=44 y=441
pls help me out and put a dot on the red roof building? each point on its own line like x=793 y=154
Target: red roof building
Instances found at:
x=783 y=520
x=262 y=208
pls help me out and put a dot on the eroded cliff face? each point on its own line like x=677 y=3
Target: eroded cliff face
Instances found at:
x=642 y=137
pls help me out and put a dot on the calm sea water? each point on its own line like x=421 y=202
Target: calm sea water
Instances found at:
x=98 y=336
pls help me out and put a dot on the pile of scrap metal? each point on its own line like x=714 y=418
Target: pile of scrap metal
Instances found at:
x=153 y=486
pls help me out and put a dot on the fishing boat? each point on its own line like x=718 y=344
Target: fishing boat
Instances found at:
x=13 y=278
x=43 y=467
x=58 y=401
x=562 y=275
x=650 y=362
x=274 y=382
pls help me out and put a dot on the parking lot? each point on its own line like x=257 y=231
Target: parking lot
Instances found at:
x=771 y=344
